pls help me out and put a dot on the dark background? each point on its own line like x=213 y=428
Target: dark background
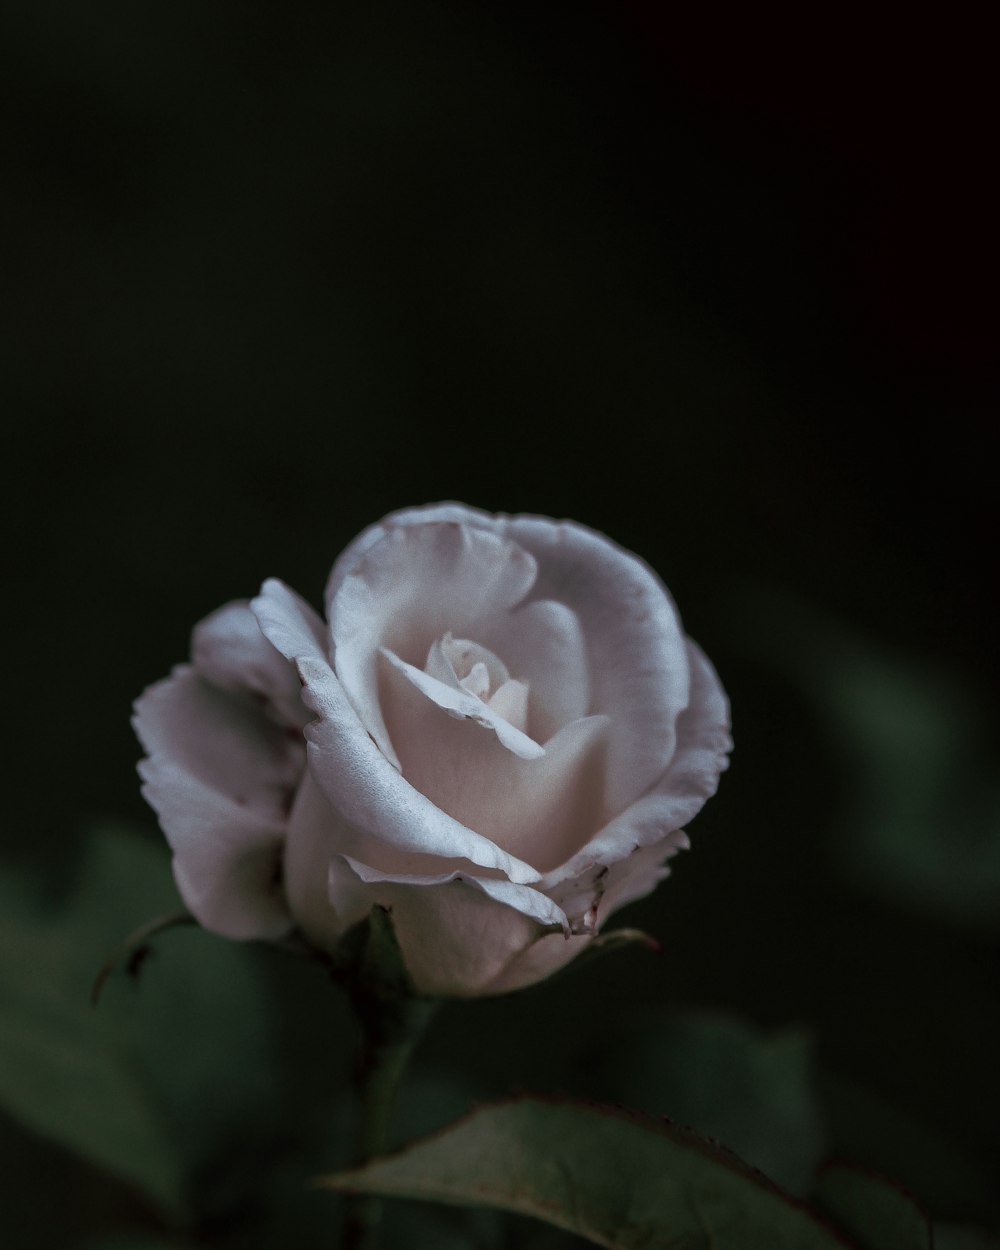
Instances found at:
x=723 y=292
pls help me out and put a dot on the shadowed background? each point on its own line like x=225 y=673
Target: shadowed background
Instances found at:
x=273 y=272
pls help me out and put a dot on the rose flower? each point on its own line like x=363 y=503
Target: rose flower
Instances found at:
x=498 y=733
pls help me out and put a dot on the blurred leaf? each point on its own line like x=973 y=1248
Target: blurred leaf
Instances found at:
x=752 y=1090
x=618 y=1180
x=878 y=1214
x=190 y=1083
x=63 y=1069
x=924 y=818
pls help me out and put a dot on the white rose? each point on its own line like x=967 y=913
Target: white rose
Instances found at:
x=499 y=734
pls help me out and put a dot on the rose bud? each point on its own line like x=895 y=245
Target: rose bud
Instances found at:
x=498 y=733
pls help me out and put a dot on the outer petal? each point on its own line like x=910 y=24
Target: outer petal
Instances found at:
x=228 y=650
x=522 y=898
x=600 y=890
x=455 y=937
x=352 y=772
x=637 y=658
x=541 y=959
x=407 y=589
x=220 y=776
x=323 y=907
x=691 y=779
x=589 y=905
x=356 y=549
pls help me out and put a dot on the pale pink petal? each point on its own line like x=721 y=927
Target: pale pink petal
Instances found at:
x=428 y=514
x=325 y=897
x=590 y=898
x=317 y=834
x=456 y=938
x=522 y=898
x=510 y=702
x=636 y=651
x=228 y=650
x=542 y=644
x=463 y=705
x=691 y=779
x=407 y=589
x=350 y=769
x=541 y=959
x=220 y=776
x=541 y=810
x=638 y=874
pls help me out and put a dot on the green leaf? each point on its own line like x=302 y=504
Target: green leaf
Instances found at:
x=191 y=1081
x=876 y=1213
x=63 y=1067
x=621 y=1181
x=750 y=1088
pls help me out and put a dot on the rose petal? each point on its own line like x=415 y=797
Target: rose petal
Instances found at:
x=639 y=874
x=692 y=778
x=541 y=810
x=220 y=776
x=350 y=769
x=458 y=934
x=228 y=650
x=510 y=702
x=542 y=643
x=541 y=959
x=428 y=514
x=317 y=833
x=590 y=898
x=637 y=659
x=462 y=704
x=409 y=588
x=522 y=898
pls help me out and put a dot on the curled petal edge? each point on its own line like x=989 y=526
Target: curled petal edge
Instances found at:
x=691 y=779
x=522 y=898
x=346 y=763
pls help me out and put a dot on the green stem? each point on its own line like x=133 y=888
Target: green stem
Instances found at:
x=391 y=1029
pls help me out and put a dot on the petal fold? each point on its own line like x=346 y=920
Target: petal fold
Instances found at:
x=461 y=703
x=542 y=810
x=220 y=775
x=350 y=769
x=409 y=588
x=703 y=744
x=458 y=934
x=229 y=651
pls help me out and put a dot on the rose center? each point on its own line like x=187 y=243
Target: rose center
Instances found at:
x=477 y=670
